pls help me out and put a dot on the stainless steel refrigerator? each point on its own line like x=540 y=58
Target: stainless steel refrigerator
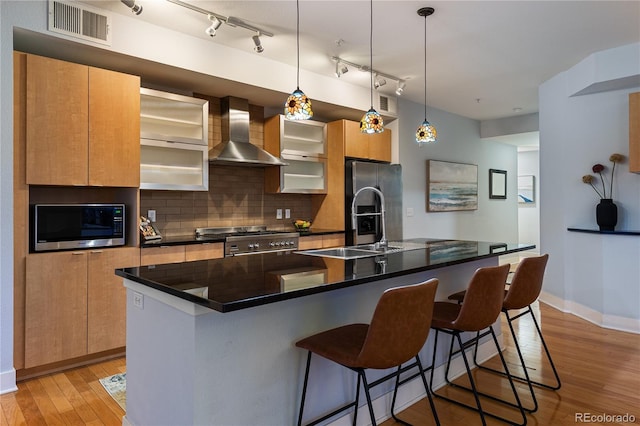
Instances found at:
x=388 y=179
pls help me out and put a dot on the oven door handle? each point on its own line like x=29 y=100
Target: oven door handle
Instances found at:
x=261 y=252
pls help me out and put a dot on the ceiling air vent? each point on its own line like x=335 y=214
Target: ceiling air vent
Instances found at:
x=387 y=105
x=80 y=21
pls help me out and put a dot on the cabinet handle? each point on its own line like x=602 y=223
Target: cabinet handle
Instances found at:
x=77 y=253
x=96 y=251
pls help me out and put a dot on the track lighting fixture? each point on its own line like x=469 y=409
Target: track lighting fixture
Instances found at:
x=216 y=21
x=379 y=82
x=215 y=24
x=131 y=4
x=341 y=69
x=258 y=44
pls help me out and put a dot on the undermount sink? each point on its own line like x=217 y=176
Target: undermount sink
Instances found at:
x=352 y=252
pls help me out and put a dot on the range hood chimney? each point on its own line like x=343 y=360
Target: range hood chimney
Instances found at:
x=235 y=148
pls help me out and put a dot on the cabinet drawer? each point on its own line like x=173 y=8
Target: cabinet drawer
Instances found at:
x=204 y=251
x=310 y=242
x=162 y=254
x=333 y=240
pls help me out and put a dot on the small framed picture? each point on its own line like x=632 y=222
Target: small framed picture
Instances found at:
x=497 y=184
x=526 y=189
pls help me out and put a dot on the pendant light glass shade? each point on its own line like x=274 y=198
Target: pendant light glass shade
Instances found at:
x=298 y=105
x=371 y=121
x=426 y=132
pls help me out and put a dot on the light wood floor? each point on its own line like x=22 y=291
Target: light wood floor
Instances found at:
x=599 y=368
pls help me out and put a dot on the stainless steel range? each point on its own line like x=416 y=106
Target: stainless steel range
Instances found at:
x=246 y=240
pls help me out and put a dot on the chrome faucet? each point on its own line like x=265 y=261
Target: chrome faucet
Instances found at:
x=354 y=215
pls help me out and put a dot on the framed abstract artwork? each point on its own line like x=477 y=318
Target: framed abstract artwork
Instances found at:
x=526 y=189
x=451 y=186
x=497 y=184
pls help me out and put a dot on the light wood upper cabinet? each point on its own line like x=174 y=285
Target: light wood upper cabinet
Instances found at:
x=83 y=125
x=114 y=128
x=57 y=122
x=107 y=297
x=634 y=132
x=375 y=146
x=56 y=307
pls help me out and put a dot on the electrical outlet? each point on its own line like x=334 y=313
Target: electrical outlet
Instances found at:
x=138 y=300
x=287 y=213
x=151 y=215
x=278 y=213
x=409 y=211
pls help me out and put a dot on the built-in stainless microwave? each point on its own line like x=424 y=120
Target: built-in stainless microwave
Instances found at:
x=74 y=226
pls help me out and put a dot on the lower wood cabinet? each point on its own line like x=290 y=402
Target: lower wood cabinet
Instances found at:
x=74 y=303
x=107 y=298
x=55 y=307
x=320 y=241
x=180 y=253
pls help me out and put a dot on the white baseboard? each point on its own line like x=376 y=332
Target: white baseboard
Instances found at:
x=8 y=381
x=613 y=322
x=413 y=391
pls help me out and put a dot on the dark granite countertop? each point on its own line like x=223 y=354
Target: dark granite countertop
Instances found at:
x=240 y=282
x=191 y=239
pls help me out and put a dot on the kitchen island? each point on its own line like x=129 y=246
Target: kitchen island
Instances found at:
x=212 y=342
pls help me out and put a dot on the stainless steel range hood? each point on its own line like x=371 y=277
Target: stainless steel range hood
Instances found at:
x=235 y=148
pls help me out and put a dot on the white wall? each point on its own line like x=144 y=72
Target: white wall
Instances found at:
x=529 y=214
x=458 y=141
x=595 y=276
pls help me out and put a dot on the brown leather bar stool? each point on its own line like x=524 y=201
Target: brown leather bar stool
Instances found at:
x=524 y=289
x=398 y=330
x=479 y=310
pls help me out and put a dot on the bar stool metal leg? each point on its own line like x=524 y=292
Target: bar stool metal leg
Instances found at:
x=527 y=379
x=304 y=388
x=473 y=389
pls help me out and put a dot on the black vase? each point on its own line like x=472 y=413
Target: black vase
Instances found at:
x=606 y=214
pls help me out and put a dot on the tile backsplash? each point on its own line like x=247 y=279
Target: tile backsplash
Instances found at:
x=235 y=198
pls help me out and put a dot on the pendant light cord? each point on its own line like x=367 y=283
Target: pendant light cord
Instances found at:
x=371 y=54
x=298 y=42
x=425 y=67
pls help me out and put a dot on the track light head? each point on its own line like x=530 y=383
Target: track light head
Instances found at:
x=379 y=82
x=131 y=4
x=341 y=69
x=400 y=88
x=256 y=40
x=215 y=24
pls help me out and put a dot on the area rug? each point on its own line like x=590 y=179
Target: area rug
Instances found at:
x=116 y=387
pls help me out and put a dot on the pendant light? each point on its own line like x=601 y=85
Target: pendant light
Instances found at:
x=426 y=133
x=298 y=105
x=371 y=121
